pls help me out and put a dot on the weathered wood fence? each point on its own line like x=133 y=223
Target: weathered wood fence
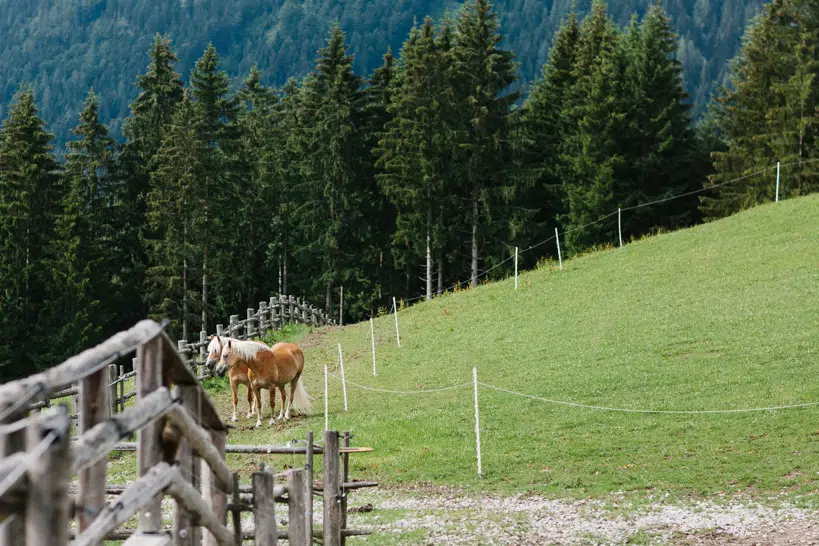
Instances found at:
x=177 y=430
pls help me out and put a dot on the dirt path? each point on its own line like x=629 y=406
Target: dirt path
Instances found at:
x=448 y=518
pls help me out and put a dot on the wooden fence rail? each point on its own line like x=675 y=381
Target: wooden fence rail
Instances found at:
x=180 y=453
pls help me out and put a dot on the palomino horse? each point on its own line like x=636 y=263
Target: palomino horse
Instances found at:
x=270 y=367
x=238 y=375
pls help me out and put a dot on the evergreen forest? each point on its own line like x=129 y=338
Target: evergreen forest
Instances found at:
x=416 y=177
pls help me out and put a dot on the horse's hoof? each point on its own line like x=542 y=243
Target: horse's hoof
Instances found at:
x=258 y=424
x=272 y=421
x=234 y=419
x=287 y=415
x=249 y=416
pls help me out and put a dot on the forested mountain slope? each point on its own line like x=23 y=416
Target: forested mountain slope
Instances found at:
x=64 y=47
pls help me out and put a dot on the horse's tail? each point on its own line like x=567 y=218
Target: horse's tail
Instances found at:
x=301 y=399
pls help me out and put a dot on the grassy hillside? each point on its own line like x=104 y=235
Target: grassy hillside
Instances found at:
x=720 y=316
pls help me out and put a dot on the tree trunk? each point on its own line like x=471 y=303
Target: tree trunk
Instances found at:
x=285 y=247
x=204 y=289
x=328 y=301
x=429 y=263
x=474 y=282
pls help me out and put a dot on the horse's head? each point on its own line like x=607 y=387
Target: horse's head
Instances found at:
x=227 y=360
x=214 y=352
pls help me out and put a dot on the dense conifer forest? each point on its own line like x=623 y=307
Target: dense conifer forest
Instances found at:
x=400 y=181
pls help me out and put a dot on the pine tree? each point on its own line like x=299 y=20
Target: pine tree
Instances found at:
x=484 y=73
x=151 y=114
x=664 y=158
x=542 y=129
x=174 y=221
x=87 y=243
x=768 y=113
x=220 y=218
x=336 y=210
x=30 y=193
x=596 y=112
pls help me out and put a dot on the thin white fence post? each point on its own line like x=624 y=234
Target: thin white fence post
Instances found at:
x=557 y=238
x=395 y=308
x=343 y=381
x=619 y=228
x=372 y=339
x=777 y=181
x=326 y=402
x=516 y=268
x=477 y=421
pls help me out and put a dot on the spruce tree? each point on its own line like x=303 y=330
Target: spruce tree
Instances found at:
x=337 y=202
x=88 y=242
x=220 y=218
x=160 y=90
x=30 y=193
x=175 y=221
x=768 y=112
x=542 y=130
x=483 y=72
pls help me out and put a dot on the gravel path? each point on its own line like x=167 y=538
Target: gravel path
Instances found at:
x=449 y=518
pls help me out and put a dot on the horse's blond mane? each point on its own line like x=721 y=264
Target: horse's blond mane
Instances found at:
x=246 y=349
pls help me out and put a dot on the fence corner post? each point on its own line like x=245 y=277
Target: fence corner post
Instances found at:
x=264 y=510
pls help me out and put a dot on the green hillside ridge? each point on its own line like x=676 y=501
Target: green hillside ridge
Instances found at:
x=64 y=48
x=719 y=316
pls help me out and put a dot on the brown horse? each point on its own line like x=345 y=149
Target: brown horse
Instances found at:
x=270 y=367
x=238 y=375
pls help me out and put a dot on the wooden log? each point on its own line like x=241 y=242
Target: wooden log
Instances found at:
x=275 y=315
x=345 y=474
x=264 y=323
x=291 y=306
x=95 y=408
x=149 y=437
x=264 y=510
x=202 y=445
x=203 y=344
x=49 y=471
x=298 y=511
x=332 y=492
x=185 y=530
x=236 y=513
x=249 y=330
x=112 y=387
x=233 y=329
x=81 y=365
x=242 y=448
x=11 y=442
x=308 y=481
x=214 y=496
x=149 y=540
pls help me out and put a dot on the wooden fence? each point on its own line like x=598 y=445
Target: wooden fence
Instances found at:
x=177 y=430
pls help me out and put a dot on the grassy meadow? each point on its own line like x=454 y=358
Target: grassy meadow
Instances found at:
x=720 y=316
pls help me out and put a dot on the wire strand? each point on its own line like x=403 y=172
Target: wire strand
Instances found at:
x=629 y=410
x=425 y=391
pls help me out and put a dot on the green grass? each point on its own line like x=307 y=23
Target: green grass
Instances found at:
x=720 y=316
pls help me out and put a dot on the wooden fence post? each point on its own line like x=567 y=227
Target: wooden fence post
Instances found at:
x=182 y=349
x=11 y=443
x=332 y=492
x=236 y=513
x=149 y=437
x=263 y=324
x=264 y=510
x=274 y=320
x=112 y=387
x=234 y=327
x=203 y=342
x=345 y=471
x=75 y=405
x=299 y=533
x=185 y=530
x=47 y=498
x=249 y=324
x=214 y=496
x=308 y=478
x=94 y=409
x=292 y=307
x=121 y=386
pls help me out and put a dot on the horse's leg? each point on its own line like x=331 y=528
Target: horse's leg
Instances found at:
x=234 y=390
x=257 y=394
x=250 y=401
x=272 y=404
x=285 y=401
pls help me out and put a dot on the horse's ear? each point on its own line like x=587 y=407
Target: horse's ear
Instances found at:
x=210 y=338
x=219 y=340
x=229 y=345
